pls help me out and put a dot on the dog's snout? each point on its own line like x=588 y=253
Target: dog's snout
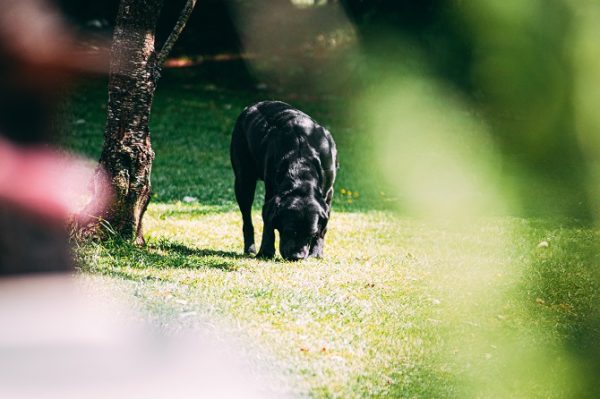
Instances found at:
x=295 y=254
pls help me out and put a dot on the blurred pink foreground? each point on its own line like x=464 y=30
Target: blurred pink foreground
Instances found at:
x=47 y=182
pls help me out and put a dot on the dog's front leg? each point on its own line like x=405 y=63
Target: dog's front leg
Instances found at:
x=316 y=248
x=267 y=245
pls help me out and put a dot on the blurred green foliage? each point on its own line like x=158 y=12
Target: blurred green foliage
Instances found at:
x=490 y=107
x=513 y=65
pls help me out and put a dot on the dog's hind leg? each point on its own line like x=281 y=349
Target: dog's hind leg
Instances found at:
x=245 y=186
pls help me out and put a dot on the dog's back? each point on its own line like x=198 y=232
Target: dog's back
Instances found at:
x=272 y=130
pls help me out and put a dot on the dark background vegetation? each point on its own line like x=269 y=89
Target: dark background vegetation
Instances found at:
x=210 y=29
x=517 y=75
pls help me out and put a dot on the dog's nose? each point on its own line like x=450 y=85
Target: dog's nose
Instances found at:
x=298 y=255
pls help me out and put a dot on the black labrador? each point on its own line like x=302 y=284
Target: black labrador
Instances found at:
x=297 y=160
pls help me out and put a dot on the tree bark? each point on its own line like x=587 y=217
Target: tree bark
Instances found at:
x=127 y=153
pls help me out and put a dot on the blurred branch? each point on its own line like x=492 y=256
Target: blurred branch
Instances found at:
x=174 y=35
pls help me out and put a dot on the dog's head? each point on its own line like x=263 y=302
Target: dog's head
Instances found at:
x=300 y=220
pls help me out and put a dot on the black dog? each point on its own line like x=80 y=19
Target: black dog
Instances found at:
x=297 y=160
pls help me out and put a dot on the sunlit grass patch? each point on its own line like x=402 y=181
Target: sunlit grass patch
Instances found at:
x=396 y=308
x=330 y=323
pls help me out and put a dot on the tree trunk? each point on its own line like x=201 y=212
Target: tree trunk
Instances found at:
x=127 y=153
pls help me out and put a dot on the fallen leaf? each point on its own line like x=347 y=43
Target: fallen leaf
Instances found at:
x=540 y=301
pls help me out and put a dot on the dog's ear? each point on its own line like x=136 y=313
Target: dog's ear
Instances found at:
x=323 y=215
x=271 y=210
x=321 y=201
x=322 y=210
x=323 y=220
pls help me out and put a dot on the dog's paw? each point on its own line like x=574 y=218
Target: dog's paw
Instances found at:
x=251 y=250
x=316 y=250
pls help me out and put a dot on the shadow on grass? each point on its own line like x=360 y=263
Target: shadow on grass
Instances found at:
x=122 y=259
x=175 y=248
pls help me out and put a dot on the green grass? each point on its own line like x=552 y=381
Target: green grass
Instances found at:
x=397 y=308
x=191 y=125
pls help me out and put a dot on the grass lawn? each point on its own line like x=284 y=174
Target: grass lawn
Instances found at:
x=397 y=308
